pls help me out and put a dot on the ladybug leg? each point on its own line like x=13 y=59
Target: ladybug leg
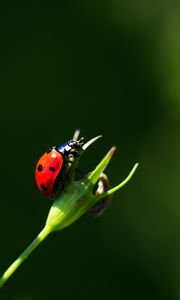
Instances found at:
x=72 y=155
x=69 y=162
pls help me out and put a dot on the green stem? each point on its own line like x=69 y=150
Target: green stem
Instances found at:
x=111 y=191
x=41 y=236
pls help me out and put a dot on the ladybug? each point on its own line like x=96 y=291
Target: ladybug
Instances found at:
x=50 y=168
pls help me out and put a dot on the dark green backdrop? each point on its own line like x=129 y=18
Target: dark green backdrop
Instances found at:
x=110 y=68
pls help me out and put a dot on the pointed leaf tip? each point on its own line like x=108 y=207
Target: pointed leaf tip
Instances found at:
x=119 y=186
x=112 y=150
x=94 y=176
x=90 y=142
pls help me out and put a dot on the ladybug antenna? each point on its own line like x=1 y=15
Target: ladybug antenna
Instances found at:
x=76 y=134
x=85 y=146
x=81 y=141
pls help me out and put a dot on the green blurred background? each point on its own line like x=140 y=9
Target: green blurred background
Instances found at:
x=110 y=68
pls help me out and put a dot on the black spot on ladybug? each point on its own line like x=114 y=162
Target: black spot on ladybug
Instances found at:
x=52 y=169
x=44 y=188
x=40 y=168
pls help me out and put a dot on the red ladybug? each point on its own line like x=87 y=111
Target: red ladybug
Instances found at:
x=51 y=165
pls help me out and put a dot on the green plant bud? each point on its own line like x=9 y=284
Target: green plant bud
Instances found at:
x=78 y=196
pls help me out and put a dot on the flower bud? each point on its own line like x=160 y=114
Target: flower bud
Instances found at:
x=78 y=196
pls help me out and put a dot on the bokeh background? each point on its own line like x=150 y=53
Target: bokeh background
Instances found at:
x=110 y=68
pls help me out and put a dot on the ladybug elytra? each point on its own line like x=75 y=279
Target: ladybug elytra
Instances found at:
x=50 y=167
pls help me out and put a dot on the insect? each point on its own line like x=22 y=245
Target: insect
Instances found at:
x=52 y=165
